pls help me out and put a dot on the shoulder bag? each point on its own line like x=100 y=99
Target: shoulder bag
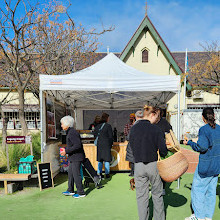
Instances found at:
x=96 y=140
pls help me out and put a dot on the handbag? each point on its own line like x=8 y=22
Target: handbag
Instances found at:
x=96 y=140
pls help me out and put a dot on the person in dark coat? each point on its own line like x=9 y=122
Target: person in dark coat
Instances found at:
x=76 y=155
x=104 y=144
x=129 y=153
x=163 y=123
x=165 y=126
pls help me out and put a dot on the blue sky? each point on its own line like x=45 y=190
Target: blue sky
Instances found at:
x=181 y=23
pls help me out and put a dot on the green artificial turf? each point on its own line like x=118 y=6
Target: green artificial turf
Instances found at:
x=188 y=147
x=115 y=201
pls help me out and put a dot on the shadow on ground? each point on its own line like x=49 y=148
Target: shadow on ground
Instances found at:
x=91 y=186
x=63 y=177
x=60 y=179
x=170 y=199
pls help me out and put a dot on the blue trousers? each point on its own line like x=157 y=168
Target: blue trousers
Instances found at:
x=203 y=195
x=107 y=167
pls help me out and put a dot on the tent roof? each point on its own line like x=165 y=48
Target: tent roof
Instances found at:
x=110 y=83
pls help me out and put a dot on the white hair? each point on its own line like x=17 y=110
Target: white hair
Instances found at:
x=67 y=121
x=139 y=114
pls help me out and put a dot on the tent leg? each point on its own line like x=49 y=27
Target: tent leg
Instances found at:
x=178 y=130
x=41 y=125
x=75 y=115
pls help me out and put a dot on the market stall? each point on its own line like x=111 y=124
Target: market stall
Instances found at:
x=108 y=84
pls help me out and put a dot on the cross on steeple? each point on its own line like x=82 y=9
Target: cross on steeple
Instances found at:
x=146 y=8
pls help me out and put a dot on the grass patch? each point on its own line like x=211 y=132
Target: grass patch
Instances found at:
x=188 y=147
x=113 y=202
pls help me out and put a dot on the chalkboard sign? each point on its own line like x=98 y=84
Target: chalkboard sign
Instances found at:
x=45 y=175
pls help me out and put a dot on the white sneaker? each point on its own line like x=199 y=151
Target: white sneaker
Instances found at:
x=192 y=217
x=208 y=219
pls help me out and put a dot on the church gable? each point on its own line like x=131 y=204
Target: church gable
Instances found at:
x=147 y=52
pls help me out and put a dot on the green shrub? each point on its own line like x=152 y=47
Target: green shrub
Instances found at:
x=36 y=142
x=17 y=151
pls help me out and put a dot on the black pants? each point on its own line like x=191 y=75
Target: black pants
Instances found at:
x=132 y=168
x=75 y=177
x=164 y=183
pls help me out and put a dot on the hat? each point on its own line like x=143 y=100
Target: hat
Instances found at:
x=132 y=114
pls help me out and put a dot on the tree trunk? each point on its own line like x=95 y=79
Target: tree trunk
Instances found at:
x=4 y=129
x=21 y=112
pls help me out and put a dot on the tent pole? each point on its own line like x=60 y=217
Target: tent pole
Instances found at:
x=178 y=117
x=75 y=113
x=41 y=125
x=178 y=130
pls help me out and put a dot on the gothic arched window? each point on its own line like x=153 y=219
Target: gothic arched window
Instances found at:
x=145 y=56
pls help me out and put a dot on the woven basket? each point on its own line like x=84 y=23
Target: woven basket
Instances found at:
x=173 y=167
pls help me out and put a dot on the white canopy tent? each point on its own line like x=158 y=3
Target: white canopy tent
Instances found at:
x=110 y=84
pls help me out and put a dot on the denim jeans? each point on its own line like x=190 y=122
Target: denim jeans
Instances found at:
x=107 y=167
x=203 y=195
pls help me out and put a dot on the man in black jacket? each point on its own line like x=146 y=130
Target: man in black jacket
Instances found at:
x=145 y=140
x=165 y=126
x=76 y=155
x=129 y=153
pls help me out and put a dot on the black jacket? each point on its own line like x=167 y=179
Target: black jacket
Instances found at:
x=74 y=147
x=164 y=125
x=129 y=154
x=105 y=141
x=145 y=139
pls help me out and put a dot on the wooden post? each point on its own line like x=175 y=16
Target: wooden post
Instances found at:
x=31 y=148
x=8 y=167
x=6 y=187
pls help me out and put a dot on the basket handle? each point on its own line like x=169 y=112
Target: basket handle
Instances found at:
x=159 y=159
x=175 y=147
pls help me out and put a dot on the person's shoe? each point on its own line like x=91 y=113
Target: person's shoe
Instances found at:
x=107 y=176
x=208 y=219
x=164 y=192
x=67 y=193
x=193 y=217
x=131 y=174
x=77 y=196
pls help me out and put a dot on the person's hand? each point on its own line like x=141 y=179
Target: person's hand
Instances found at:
x=185 y=141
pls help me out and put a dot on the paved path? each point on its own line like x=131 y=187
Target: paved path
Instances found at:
x=192 y=157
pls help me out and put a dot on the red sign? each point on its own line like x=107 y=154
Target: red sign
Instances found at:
x=15 y=140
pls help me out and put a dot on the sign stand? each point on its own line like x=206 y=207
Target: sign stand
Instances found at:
x=45 y=176
x=17 y=140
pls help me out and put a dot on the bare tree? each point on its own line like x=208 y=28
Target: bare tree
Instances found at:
x=206 y=73
x=3 y=101
x=44 y=40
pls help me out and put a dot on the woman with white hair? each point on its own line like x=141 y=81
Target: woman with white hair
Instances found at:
x=76 y=155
